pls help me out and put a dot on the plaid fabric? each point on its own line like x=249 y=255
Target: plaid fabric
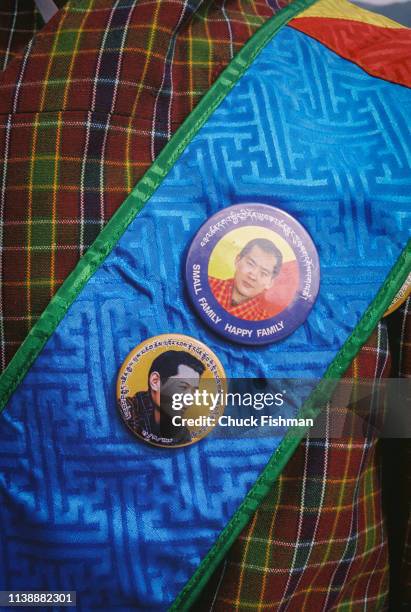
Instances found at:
x=250 y=310
x=318 y=542
x=85 y=109
x=19 y=21
x=397 y=472
x=335 y=530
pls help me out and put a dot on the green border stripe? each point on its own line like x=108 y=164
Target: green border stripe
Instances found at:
x=152 y=179
x=311 y=409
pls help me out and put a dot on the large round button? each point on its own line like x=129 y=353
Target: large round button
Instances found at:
x=253 y=273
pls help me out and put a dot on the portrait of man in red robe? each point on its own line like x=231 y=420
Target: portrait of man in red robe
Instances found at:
x=255 y=269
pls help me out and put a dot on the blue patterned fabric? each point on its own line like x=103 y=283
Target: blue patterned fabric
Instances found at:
x=87 y=507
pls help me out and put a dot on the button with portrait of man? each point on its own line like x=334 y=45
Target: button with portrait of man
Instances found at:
x=161 y=388
x=253 y=273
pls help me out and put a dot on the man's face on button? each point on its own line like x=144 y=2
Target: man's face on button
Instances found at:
x=254 y=272
x=186 y=381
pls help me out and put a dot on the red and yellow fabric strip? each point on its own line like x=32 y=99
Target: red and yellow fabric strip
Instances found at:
x=377 y=44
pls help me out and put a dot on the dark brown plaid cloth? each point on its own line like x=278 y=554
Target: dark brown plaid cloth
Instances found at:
x=397 y=471
x=18 y=24
x=320 y=539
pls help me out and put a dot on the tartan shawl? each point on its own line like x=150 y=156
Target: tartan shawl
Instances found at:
x=334 y=531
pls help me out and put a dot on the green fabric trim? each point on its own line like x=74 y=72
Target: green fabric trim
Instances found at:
x=108 y=237
x=292 y=439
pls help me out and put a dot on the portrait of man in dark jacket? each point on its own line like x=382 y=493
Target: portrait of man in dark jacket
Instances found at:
x=149 y=413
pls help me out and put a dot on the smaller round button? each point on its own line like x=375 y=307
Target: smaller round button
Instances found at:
x=160 y=390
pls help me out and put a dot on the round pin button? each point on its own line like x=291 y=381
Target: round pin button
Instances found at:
x=162 y=390
x=401 y=296
x=253 y=273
